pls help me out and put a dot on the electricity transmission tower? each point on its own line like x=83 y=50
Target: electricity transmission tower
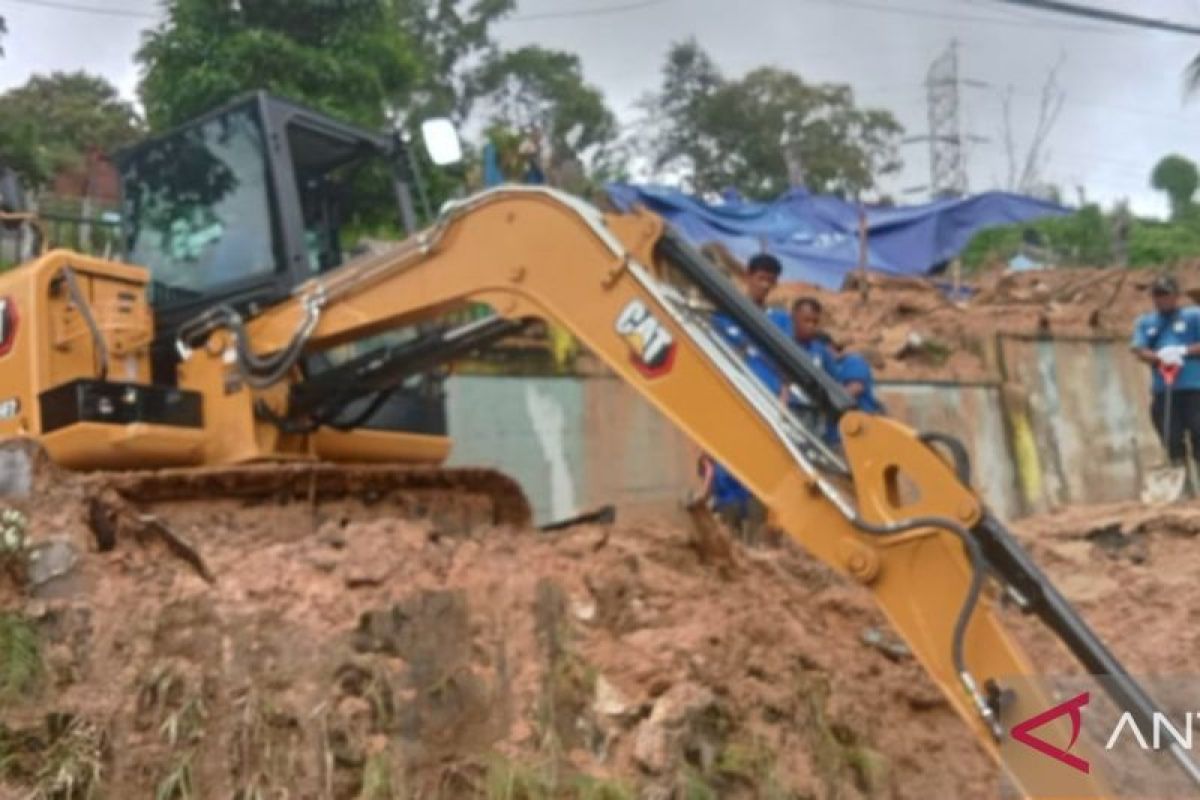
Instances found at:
x=947 y=142
x=947 y=168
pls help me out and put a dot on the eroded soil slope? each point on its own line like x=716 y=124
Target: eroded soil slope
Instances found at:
x=347 y=650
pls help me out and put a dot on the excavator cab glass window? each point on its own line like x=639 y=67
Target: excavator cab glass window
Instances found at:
x=329 y=171
x=199 y=208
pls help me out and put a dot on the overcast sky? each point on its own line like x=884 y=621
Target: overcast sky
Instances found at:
x=1124 y=104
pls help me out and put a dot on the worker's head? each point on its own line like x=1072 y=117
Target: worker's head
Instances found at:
x=1165 y=291
x=806 y=318
x=762 y=274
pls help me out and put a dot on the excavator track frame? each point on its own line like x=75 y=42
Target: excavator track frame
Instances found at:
x=426 y=491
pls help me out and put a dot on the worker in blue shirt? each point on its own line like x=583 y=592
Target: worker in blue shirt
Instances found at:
x=1168 y=339
x=762 y=275
x=853 y=372
x=743 y=512
x=806 y=330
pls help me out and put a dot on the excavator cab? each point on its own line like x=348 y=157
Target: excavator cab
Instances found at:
x=242 y=205
x=245 y=203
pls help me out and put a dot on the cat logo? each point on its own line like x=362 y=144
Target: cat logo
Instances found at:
x=652 y=344
x=8 y=324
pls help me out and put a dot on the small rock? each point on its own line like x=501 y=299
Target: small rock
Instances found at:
x=325 y=561
x=36 y=609
x=362 y=572
x=657 y=736
x=609 y=700
x=16 y=473
x=651 y=748
x=681 y=701
x=891 y=647
x=584 y=610
x=50 y=559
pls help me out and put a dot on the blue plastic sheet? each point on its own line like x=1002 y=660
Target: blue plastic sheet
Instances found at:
x=816 y=237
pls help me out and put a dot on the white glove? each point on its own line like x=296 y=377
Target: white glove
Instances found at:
x=1172 y=355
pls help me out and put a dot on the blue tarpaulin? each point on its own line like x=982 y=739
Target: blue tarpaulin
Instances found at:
x=816 y=237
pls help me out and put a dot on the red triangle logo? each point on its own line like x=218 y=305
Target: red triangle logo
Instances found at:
x=1022 y=732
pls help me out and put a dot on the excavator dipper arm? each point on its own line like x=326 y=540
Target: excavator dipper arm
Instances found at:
x=891 y=513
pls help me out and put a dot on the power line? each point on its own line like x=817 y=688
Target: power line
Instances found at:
x=104 y=12
x=593 y=11
x=1105 y=15
x=911 y=11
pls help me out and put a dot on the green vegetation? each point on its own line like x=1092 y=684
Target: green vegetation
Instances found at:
x=507 y=779
x=765 y=131
x=21 y=664
x=1088 y=238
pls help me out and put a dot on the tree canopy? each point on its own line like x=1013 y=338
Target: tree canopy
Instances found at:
x=451 y=38
x=1177 y=177
x=538 y=89
x=51 y=122
x=765 y=131
x=350 y=59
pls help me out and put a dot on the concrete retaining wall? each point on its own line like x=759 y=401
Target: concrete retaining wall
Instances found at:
x=573 y=443
x=1064 y=423
x=1078 y=413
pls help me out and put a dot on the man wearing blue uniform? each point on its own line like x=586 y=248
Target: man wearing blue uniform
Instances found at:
x=733 y=502
x=1168 y=339
x=853 y=372
x=806 y=330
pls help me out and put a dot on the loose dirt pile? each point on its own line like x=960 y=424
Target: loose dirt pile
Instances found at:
x=1131 y=571
x=349 y=650
x=911 y=329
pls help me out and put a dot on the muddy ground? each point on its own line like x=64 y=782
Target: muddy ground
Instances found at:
x=369 y=651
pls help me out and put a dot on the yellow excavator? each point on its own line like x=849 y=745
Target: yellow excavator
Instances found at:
x=237 y=348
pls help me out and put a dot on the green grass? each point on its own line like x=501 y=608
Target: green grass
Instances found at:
x=507 y=779
x=378 y=782
x=177 y=785
x=21 y=664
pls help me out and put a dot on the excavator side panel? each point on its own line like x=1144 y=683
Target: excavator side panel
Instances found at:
x=46 y=341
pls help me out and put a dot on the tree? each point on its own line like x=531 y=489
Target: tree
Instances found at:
x=543 y=90
x=1178 y=178
x=1025 y=175
x=451 y=38
x=3 y=30
x=51 y=123
x=350 y=59
x=766 y=131
x=690 y=79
